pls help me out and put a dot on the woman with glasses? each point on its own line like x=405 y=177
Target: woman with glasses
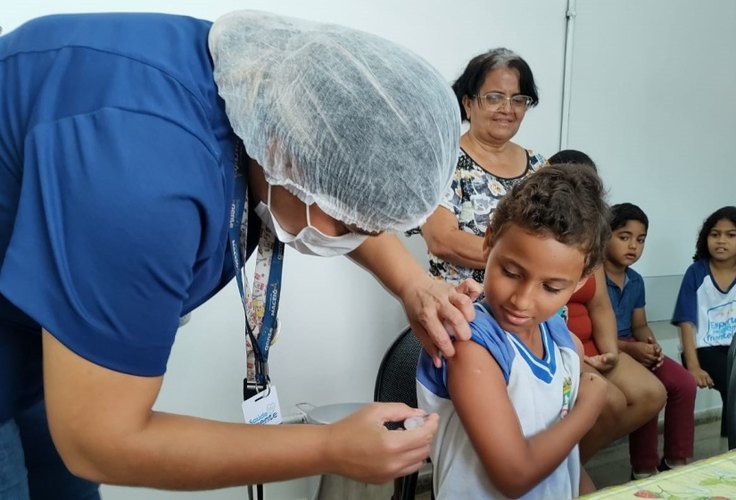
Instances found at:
x=494 y=93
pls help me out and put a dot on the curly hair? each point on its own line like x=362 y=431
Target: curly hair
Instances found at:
x=564 y=201
x=701 y=247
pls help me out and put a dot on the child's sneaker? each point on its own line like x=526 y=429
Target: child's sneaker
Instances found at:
x=641 y=475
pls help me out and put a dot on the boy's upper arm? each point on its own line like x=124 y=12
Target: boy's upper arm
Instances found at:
x=639 y=325
x=478 y=390
x=638 y=318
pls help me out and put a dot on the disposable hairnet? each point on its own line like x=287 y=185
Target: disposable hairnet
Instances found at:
x=345 y=119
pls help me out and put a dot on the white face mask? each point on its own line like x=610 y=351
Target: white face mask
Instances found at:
x=310 y=240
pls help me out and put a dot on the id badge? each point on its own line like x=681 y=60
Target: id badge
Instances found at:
x=263 y=408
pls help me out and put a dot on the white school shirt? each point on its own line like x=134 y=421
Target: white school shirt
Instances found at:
x=541 y=390
x=702 y=303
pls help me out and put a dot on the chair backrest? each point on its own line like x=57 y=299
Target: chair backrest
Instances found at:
x=396 y=383
x=396 y=379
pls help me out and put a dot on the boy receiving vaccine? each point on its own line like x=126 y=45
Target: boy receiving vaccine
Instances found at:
x=512 y=402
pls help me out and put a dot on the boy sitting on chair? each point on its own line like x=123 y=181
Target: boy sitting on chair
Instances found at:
x=512 y=402
x=629 y=226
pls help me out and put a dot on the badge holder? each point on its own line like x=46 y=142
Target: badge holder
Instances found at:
x=261 y=401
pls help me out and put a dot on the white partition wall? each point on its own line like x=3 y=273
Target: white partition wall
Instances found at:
x=654 y=103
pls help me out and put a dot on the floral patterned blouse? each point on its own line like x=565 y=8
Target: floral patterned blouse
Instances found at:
x=472 y=197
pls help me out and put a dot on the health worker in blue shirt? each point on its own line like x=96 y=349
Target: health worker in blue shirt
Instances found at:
x=118 y=156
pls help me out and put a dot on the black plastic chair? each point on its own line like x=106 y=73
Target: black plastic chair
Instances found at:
x=396 y=382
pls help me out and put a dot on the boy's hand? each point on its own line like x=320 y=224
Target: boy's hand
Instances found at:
x=592 y=391
x=647 y=353
x=657 y=351
x=602 y=362
x=702 y=378
x=652 y=341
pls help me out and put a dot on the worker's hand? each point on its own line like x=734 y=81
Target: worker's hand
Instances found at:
x=437 y=311
x=471 y=288
x=602 y=362
x=362 y=448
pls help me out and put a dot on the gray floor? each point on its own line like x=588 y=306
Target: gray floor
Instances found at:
x=611 y=465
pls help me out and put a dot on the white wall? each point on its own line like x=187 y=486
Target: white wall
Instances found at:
x=654 y=103
x=337 y=321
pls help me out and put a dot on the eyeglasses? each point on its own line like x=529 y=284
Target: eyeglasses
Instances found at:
x=495 y=100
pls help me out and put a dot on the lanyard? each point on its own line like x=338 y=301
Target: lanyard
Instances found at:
x=260 y=306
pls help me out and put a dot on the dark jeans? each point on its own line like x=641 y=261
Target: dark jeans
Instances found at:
x=30 y=467
x=48 y=477
x=714 y=360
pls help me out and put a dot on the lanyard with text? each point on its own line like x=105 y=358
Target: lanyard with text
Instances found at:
x=260 y=306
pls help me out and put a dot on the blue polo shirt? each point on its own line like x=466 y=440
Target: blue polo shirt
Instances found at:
x=625 y=300
x=116 y=175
